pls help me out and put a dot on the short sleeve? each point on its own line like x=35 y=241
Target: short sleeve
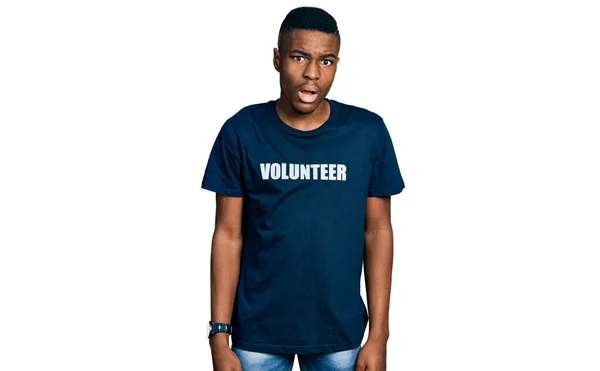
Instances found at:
x=223 y=173
x=386 y=179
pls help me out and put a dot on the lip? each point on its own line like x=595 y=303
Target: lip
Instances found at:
x=311 y=88
x=307 y=95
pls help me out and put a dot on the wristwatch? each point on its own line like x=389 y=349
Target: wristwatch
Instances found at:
x=215 y=327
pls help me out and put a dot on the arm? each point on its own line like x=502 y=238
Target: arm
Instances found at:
x=225 y=263
x=378 y=279
x=378 y=265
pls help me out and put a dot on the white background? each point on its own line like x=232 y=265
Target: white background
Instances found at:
x=108 y=110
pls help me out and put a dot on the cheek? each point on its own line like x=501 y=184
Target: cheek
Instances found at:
x=328 y=76
x=288 y=78
x=331 y=72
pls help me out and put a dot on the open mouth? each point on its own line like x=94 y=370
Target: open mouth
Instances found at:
x=307 y=96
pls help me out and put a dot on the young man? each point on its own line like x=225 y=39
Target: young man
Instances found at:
x=303 y=189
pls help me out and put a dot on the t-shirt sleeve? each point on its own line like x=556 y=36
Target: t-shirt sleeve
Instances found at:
x=223 y=173
x=386 y=179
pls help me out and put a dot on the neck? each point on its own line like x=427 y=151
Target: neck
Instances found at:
x=299 y=120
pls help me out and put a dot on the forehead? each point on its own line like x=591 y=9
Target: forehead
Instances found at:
x=316 y=42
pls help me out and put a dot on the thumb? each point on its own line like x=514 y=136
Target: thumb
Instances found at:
x=361 y=364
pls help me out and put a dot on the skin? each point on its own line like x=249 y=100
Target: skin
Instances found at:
x=225 y=261
x=378 y=279
x=306 y=58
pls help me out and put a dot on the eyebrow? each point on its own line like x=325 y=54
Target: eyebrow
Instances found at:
x=328 y=55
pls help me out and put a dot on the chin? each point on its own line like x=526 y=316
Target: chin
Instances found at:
x=305 y=107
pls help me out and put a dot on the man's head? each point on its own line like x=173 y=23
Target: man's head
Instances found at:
x=307 y=57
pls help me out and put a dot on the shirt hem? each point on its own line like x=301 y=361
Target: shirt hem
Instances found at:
x=222 y=191
x=293 y=349
x=386 y=193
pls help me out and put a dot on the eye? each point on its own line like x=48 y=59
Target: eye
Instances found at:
x=327 y=62
x=298 y=58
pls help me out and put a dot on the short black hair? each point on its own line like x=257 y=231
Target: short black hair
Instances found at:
x=308 y=18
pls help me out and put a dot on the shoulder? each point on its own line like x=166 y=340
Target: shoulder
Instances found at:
x=241 y=125
x=247 y=115
x=360 y=116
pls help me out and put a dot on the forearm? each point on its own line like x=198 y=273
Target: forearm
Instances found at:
x=224 y=277
x=378 y=279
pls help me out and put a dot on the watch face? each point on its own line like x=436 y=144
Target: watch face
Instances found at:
x=208 y=327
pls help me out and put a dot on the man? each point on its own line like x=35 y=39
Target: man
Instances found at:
x=303 y=189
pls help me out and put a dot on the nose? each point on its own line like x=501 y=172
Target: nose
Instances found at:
x=312 y=71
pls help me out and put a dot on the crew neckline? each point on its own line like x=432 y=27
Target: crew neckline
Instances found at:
x=275 y=119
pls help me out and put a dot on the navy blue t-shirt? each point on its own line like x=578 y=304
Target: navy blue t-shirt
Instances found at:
x=305 y=195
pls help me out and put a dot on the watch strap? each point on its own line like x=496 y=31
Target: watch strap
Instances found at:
x=216 y=327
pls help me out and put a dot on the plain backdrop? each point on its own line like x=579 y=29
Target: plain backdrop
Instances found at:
x=108 y=111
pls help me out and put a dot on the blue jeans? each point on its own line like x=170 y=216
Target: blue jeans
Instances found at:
x=336 y=361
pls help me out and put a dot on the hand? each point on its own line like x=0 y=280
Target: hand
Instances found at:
x=372 y=356
x=223 y=357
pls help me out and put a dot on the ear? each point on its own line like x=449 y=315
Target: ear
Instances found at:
x=276 y=60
